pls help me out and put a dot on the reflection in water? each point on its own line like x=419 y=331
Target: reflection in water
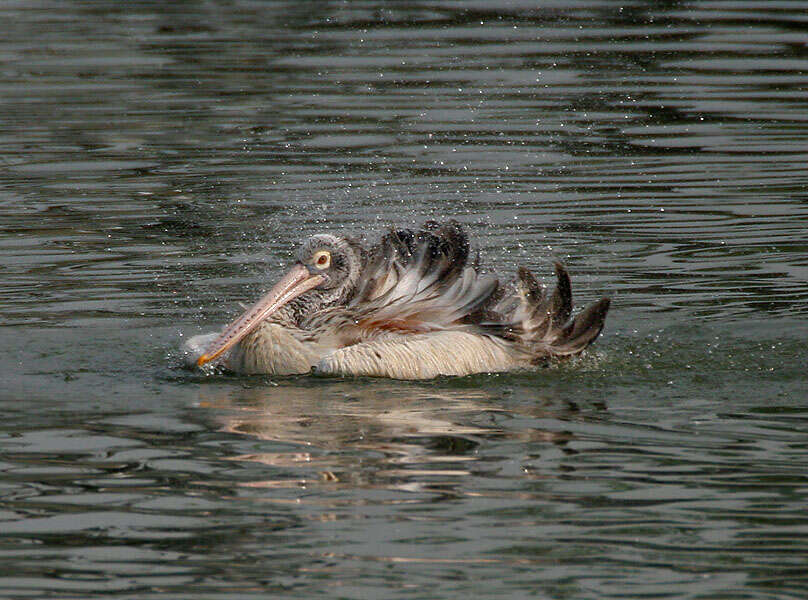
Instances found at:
x=416 y=437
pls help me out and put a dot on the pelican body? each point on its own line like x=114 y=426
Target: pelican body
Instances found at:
x=410 y=307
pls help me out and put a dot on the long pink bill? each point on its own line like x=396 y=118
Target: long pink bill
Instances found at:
x=296 y=282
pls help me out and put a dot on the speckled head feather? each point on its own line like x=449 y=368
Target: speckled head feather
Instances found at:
x=342 y=266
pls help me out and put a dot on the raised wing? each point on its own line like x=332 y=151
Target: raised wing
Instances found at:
x=418 y=281
x=540 y=324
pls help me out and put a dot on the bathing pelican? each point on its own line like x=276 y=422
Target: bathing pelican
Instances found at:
x=410 y=307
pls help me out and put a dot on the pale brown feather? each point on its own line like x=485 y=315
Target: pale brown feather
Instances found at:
x=422 y=356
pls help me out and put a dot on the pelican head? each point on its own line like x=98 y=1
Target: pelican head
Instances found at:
x=338 y=260
x=325 y=274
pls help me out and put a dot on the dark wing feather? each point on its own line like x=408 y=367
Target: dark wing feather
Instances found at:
x=419 y=281
x=540 y=325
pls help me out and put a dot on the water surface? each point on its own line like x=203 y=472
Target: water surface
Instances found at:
x=161 y=161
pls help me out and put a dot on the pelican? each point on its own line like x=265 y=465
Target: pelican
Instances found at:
x=413 y=306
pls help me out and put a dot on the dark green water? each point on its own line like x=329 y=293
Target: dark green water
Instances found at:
x=158 y=164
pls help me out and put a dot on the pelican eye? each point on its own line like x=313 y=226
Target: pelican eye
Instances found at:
x=322 y=259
